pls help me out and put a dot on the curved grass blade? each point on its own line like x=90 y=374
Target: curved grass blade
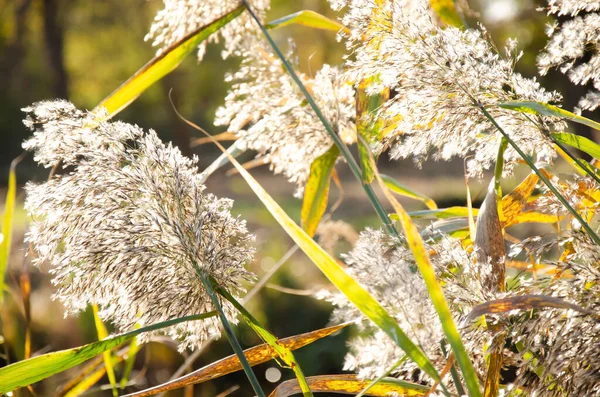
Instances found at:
x=7 y=222
x=579 y=142
x=307 y=18
x=283 y=352
x=359 y=296
x=403 y=190
x=26 y=372
x=233 y=342
x=419 y=251
x=548 y=110
x=525 y=302
x=350 y=384
x=108 y=359
x=316 y=191
x=162 y=65
x=443 y=213
x=255 y=355
x=384 y=375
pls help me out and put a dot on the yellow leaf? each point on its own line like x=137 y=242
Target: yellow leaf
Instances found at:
x=316 y=191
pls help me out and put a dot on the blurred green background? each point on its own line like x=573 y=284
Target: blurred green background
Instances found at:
x=83 y=50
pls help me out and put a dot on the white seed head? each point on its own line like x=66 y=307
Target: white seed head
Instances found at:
x=181 y=17
x=439 y=75
x=572 y=40
x=269 y=114
x=130 y=228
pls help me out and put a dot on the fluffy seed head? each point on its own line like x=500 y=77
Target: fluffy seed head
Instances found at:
x=179 y=18
x=269 y=114
x=573 y=40
x=438 y=76
x=130 y=228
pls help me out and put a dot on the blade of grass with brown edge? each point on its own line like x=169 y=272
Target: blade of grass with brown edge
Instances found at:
x=359 y=296
x=255 y=355
x=33 y=370
x=350 y=384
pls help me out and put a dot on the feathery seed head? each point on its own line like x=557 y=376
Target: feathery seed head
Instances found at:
x=179 y=18
x=269 y=114
x=131 y=227
x=572 y=40
x=440 y=76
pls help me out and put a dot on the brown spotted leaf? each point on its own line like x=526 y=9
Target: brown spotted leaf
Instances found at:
x=525 y=302
x=489 y=242
x=350 y=384
x=255 y=355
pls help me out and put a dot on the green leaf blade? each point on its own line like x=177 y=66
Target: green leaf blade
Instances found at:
x=7 y=225
x=316 y=191
x=306 y=18
x=546 y=109
x=579 y=142
x=359 y=296
x=26 y=372
x=162 y=65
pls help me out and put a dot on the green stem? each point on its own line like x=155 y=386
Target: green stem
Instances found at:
x=286 y=355
x=230 y=336
x=543 y=178
x=354 y=167
x=585 y=167
x=499 y=168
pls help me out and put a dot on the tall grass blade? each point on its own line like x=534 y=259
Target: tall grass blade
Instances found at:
x=417 y=247
x=255 y=355
x=235 y=345
x=283 y=352
x=306 y=18
x=26 y=372
x=162 y=65
x=316 y=191
x=108 y=358
x=548 y=110
x=579 y=142
x=403 y=190
x=360 y=297
x=7 y=223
